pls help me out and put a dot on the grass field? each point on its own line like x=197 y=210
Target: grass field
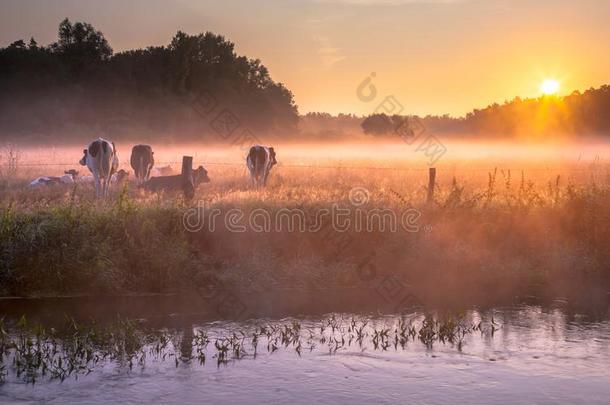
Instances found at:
x=498 y=227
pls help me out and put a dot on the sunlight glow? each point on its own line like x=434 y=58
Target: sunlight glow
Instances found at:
x=549 y=87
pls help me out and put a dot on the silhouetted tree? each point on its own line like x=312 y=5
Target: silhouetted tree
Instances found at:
x=78 y=82
x=382 y=124
x=377 y=124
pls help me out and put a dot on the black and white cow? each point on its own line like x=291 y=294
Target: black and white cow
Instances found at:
x=260 y=160
x=103 y=161
x=142 y=162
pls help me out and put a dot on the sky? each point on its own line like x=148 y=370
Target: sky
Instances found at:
x=429 y=56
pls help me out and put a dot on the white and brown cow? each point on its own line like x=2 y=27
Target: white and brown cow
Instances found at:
x=69 y=177
x=162 y=171
x=103 y=161
x=142 y=162
x=176 y=182
x=260 y=160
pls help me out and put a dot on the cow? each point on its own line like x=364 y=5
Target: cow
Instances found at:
x=142 y=162
x=260 y=160
x=103 y=161
x=167 y=183
x=119 y=177
x=161 y=171
x=69 y=177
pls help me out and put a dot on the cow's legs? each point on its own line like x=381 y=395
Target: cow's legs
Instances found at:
x=253 y=177
x=106 y=185
x=265 y=175
x=96 y=180
x=259 y=180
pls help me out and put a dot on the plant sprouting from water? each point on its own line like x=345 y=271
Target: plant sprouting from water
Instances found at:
x=31 y=352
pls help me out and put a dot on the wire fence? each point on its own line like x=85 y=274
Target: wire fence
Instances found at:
x=595 y=166
x=488 y=169
x=590 y=166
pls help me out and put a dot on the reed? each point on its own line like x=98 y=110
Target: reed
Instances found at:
x=31 y=352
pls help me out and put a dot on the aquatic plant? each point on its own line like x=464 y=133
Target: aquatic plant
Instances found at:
x=31 y=352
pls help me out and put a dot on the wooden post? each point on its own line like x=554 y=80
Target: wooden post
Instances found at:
x=431 y=184
x=187 y=176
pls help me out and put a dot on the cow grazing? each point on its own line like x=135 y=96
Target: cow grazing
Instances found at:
x=167 y=183
x=69 y=177
x=161 y=171
x=103 y=161
x=119 y=177
x=142 y=162
x=260 y=160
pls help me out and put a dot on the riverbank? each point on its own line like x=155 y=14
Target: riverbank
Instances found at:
x=469 y=244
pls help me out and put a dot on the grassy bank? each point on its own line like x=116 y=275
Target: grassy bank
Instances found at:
x=68 y=248
x=501 y=238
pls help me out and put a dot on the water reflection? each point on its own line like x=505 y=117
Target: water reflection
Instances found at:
x=544 y=352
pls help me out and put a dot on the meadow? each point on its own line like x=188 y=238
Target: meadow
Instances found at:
x=502 y=224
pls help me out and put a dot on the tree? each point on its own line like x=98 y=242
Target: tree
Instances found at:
x=149 y=89
x=20 y=44
x=81 y=46
x=377 y=124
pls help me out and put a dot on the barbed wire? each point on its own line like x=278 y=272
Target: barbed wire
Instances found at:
x=596 y=165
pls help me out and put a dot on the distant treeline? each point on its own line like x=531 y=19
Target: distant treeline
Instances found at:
x=585 y=113
x=77 y=87
x=321 y=126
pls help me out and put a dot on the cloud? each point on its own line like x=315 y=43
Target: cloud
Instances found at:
x=329 y=55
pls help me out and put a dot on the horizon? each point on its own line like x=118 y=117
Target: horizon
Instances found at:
x=344 y=42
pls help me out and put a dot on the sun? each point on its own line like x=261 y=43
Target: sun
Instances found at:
x=549 y=87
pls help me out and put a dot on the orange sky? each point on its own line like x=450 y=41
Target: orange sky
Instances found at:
x=434 y=56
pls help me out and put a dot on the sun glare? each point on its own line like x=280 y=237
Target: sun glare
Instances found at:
x=549 y=87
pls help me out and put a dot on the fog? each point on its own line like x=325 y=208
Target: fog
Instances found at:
x=450 y=154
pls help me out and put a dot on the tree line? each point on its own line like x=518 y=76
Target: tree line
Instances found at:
x=586 y=113
x=78 y=86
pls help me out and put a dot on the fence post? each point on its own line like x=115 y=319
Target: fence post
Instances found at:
x=187 y=176
x=431 y=184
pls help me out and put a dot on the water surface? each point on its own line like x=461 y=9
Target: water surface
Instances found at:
x=537 y=354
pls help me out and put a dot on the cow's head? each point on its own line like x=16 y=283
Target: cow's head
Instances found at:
x=272 y=156
x=121 y=175
x=83 y=160
x=72 y=173
x=200 y=176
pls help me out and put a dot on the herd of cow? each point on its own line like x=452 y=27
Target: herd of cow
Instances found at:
x=102 y=160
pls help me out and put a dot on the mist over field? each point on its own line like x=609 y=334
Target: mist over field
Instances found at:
x=458 y=157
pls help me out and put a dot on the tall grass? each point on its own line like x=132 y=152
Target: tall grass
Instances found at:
x=69 y=247
x=509 y=234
